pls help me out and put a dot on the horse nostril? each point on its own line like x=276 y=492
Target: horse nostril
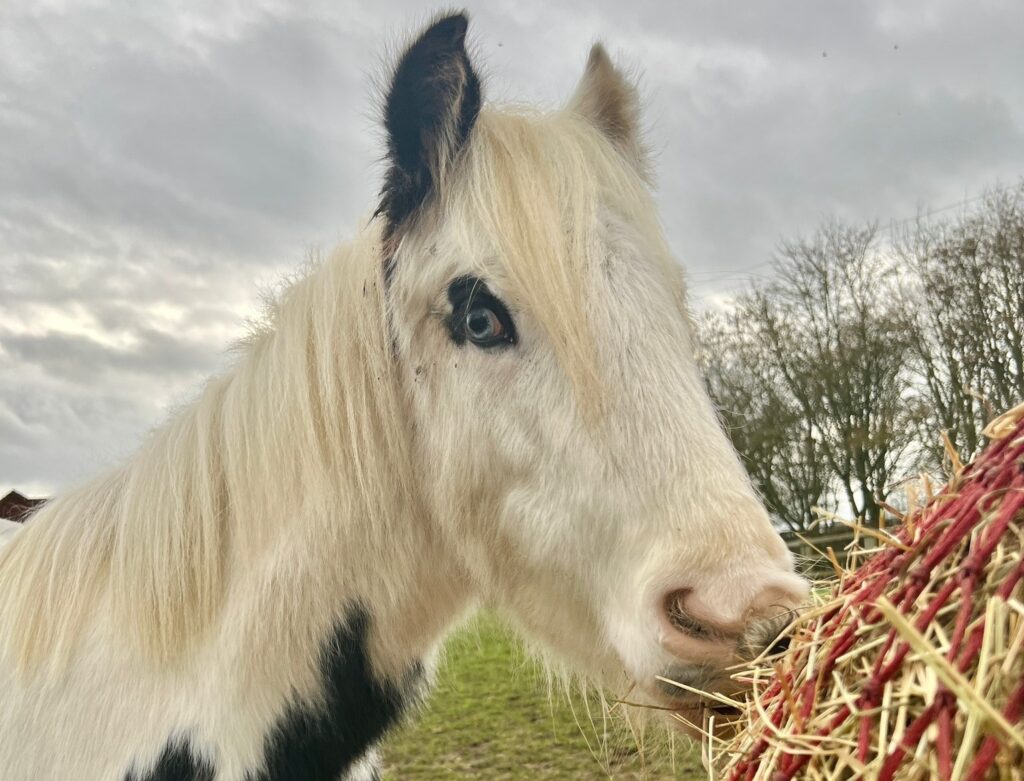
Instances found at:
x=685 y=623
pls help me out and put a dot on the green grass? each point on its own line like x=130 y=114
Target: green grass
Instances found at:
x=490 y=717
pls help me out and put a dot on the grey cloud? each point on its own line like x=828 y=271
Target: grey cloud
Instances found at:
x=57 y=434
x=859 y=156
x=81 y=359
x=159 y=161
x=208 y=152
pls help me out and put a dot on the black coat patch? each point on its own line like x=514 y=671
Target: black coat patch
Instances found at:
x=177 y=764
x=319 y=744
x=431 y=106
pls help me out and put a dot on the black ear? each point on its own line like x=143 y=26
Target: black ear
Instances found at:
x=431 y=106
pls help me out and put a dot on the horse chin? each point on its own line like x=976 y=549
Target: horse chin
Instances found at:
x=697 y=699
x=700 y=717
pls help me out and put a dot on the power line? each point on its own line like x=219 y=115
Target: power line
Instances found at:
x=989 y=191
x=749 y=271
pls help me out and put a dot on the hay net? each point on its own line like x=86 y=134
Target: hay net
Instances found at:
x=912 y=667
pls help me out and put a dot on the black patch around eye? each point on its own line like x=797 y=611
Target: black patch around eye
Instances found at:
x=468 y=293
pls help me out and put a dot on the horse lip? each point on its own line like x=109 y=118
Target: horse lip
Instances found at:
x=696 y=690
x=692 y=676
x=694 y=717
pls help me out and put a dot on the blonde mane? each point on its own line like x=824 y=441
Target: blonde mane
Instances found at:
x=310 y=417
x=536 y=183
x=310 y=421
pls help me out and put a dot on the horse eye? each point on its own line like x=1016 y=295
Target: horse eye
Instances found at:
x=483 y=326
x=478 y=316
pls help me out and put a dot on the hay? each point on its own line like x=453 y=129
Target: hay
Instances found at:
x=912 y=666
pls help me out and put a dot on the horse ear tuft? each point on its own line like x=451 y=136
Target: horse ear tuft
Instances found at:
x=430 y=108
x=607 y=99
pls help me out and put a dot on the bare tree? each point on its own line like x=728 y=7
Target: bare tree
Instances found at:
x=820 y=356
x=967 y=291
x=777 y=444
x=838 y=374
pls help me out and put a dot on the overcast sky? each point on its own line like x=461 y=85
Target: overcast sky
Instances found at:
x=160 y=162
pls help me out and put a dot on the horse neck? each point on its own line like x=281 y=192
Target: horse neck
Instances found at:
x=306 y=449
x=282 y=499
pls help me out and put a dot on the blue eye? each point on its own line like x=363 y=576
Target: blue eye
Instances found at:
x=483 y=326
x=478 y=316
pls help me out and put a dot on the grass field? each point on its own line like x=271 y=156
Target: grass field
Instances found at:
x=490 y=717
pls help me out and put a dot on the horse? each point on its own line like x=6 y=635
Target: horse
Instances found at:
x=489 y=396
